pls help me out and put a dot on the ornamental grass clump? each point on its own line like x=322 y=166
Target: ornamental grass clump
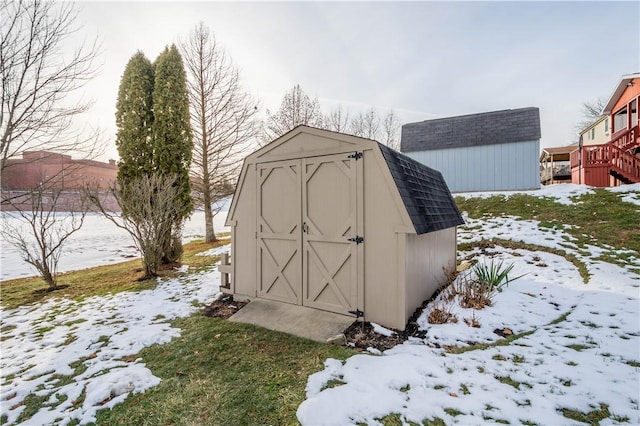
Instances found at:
x=479 y=285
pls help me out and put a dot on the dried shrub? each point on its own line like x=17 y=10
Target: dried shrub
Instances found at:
x=442 y=312
x=473 y=321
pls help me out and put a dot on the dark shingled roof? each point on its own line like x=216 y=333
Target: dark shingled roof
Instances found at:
x=424 y=192
x=487 y=128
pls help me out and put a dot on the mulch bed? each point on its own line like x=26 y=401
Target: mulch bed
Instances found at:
x=359 y=334
x=223 y=307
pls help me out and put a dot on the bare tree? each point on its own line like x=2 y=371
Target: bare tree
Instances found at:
x=366 y=124
x=223 y=118
x=337 y=120
x=590 y=112
x=297 y=108
x=40 y=245
x=39 y=81
x=151 y=205
x=390 y=130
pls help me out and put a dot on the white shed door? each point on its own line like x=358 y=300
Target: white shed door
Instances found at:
x=279 y=231
x=330 y=217
x=308 y=216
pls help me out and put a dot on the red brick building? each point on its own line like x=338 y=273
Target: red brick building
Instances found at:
x=58 y=171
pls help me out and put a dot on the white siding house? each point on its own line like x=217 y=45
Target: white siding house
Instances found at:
x=492 y=151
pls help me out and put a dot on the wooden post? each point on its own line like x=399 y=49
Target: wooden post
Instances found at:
x=225 y=271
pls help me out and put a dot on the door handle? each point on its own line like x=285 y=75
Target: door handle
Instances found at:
x=305 y=228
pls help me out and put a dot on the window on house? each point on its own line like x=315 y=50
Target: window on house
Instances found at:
x=606 y=125
x=620 y=119
x=634 y=112
x=593 y=133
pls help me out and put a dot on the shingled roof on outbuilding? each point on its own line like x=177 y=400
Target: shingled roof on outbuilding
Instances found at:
x=487 y=128
x=424 y=193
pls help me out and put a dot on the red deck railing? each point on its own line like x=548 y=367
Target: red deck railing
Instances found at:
x=613 y=154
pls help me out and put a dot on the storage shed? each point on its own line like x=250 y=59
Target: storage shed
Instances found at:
x=340 y=223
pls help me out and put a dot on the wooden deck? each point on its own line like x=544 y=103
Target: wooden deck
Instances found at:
x=609 y=164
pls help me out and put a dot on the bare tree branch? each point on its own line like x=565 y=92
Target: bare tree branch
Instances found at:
x=151 y=204
x=390 y=131
x=366 y=124
x=42 y=233
x=296 y=109
x=223 y=118
x=337 y=120
x=591 y=111
x=39 y=81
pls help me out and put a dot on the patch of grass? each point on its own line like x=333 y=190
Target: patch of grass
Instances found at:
x=248 y=375
x=395 y=419
x=577 y=347
x=600 y=217
x=436 y=421
x=572 y=363
x=482 y=346
x=633 y=363
x=592 y=417
x=333 y=383
x=515 y=245
x=509 y=381
x=453 y=412
x=464 y=389
x=528 y=422
x=518 y=359
x=33 y=403
x=100 y=280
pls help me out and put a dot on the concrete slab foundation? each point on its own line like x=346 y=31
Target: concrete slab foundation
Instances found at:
x=300 y=321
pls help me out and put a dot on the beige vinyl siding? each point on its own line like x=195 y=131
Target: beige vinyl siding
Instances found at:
x=428 y=259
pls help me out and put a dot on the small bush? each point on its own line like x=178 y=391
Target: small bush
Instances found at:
x=494 y=276
x=477 y=287
x=442 y=312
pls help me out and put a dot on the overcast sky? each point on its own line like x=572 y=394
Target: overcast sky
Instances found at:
x=423 y=59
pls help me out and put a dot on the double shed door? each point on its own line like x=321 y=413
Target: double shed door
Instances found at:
x=309 y=213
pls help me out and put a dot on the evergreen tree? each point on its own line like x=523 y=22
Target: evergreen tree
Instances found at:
x=172 y=139
x=134 y=119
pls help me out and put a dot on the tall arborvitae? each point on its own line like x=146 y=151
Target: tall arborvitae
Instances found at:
x=134 y=119
x=172 y=139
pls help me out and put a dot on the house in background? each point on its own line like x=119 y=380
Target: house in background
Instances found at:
x=490 y=151
x=555 y=166
x=55 y=172
x=615 y=161
x=598 y=132
x=58 y=171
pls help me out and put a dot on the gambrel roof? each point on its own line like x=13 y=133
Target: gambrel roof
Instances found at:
x=487 y=128
x=424 y=193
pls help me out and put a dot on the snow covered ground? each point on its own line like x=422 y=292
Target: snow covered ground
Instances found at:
x=580 y=345
x=98 y=242
x=44 y=340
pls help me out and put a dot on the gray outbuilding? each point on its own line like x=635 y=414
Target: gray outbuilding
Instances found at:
x=342 y=224
x=490 y=151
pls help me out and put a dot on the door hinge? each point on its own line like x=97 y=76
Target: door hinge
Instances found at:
x=356 y=239
x=358 y=313
x=356 y=155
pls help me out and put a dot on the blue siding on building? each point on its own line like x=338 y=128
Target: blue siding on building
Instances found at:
x=501 y=167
